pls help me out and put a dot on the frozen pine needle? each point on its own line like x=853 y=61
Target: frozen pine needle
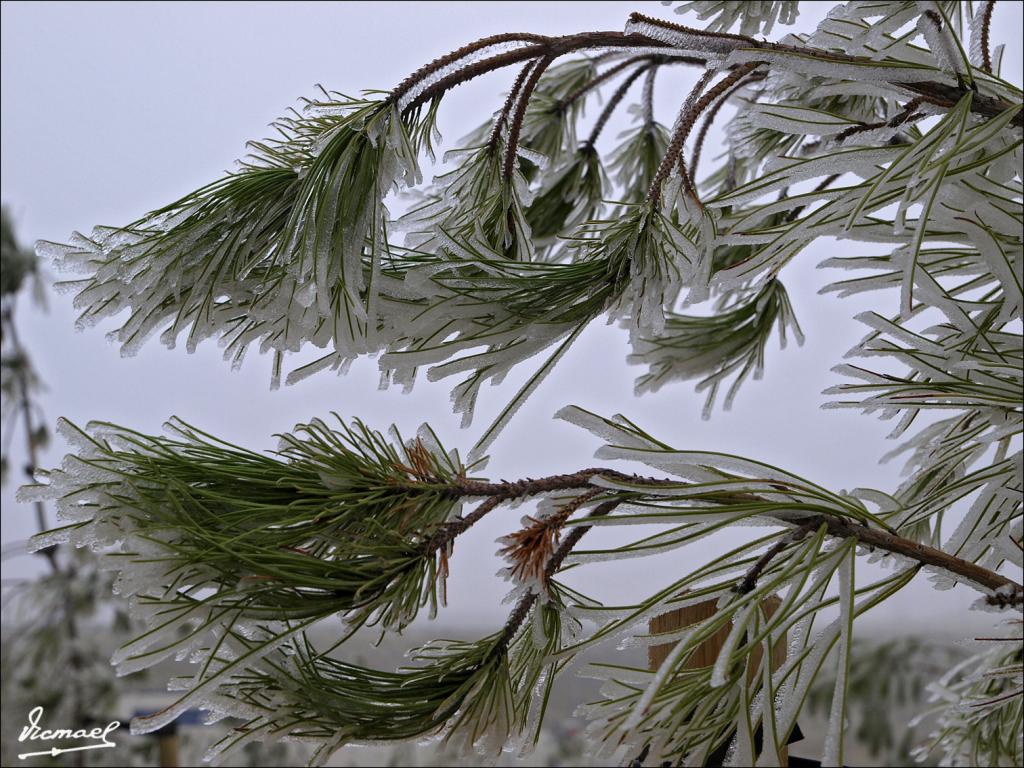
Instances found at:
x=882 y=126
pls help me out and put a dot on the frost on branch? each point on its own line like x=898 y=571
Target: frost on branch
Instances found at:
x=273 y=541
x=281 y=252
x=979 y=705
x=714 y=348
x=878 y=127
x=754 y=16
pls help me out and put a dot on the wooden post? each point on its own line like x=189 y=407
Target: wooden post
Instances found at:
x=167 y=741
x=707 y=652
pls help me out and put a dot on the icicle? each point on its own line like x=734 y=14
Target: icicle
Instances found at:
x=833 y=752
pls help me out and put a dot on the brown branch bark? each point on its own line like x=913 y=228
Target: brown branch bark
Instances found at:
x=448 y=532
x=533 y=486
x=577 y=533
x=442 y=61
x=926 y=555
x=1010 y=592
x=906 y=114
x=636 y=16
x=675 y=147
x=940 y=94
x=709 y=119
x=749 y=581
x=552 y=46
x=521 y=103
x=986 y=23
x=825 y=183
x=603 y=77
x=507 y=106
x=648 y=96
x=613 y=103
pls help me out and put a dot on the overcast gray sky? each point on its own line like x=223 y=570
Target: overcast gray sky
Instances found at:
x=112 y=109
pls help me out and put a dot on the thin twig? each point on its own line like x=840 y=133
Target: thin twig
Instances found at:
x=574 y=536
x=555 y=46
x=599 y=79
x=522 y=609
x=64 y=577
x=613 y=103
x=499 y=123
x=824 y=184
x=905 y=115
x=674 y=150
x=535 y=486
x=940 y=94
x=448 y=532
x=637 y=17
x=1008 y=592
x=986 y=23
x=529 y=548
x=749 y=581
x=709 y=119
x=439 y=63
x=647 y=100
x=28 y=423
x=682 y=131
x=522 y=101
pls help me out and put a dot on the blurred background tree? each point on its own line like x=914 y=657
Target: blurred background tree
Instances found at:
x=46 y=660
x=60 y=628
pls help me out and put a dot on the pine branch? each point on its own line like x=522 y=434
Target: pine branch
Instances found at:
x=439 y=63
x=613 y=102
x=448 y=532
x=552 y=47
x=522 y=101
x=551 y=567
x=686 y=123
x=603 y=77
x=937 y=93
x=749 y=581
x=574 y=536
x=1007 y=591
x=530 y=549
x=297 y=248
x=21 y=375
x=506 y=109
x=639 y=18
x=986 y=24
x=1011 y=591
x=510 y=489
x=905 y=115
x=394 y=487
x=709 y=120
x=647 y=103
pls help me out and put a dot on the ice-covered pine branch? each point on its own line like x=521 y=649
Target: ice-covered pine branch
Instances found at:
x=297 y=246
x=342 y=521
x=890 y=124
